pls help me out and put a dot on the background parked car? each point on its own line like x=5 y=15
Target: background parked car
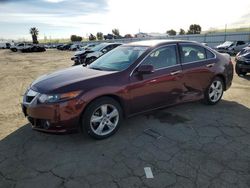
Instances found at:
x=48 y=46
x=18 y=46
x=231 y=47
x=5 y=45
x=88 y=56
x=108 y=37
x=242 y=59
x=32 y=48
x=87 y=47
x=75 y=47
x=64 y=46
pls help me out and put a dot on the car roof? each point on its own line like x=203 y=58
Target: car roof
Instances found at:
x=157 y=42
x=110 y=43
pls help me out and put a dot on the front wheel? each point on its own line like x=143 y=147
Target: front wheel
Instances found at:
x=214 y=92
x=102 y=118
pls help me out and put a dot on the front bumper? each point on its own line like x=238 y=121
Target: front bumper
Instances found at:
x=56 y=117
x=243 y=66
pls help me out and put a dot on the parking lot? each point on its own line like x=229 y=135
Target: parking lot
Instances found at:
x=189 y=145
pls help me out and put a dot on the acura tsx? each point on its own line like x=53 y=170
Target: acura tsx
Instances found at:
x=131 y=79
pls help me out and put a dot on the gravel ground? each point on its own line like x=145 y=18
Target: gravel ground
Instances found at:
x=192 y=145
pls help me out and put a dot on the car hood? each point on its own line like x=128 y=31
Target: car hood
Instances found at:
x=66 y=80
x=82 y=52
x=94 y=54
x=224 y=45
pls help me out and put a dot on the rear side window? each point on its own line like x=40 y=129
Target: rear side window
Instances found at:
x=190 y=53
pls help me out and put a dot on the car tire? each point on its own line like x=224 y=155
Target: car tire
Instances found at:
x=102 y=118
x=214 y=92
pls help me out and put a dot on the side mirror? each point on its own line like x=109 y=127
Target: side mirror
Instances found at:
x=145 y=69
x=104 y=50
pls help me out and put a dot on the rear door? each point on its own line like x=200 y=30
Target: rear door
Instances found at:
x=198 y=65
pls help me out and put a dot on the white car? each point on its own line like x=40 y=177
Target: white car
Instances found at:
x=231 y=47
x=4 y=45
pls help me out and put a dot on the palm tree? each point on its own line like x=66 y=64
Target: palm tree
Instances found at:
x=34 y=33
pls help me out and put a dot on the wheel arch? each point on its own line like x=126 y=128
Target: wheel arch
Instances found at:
x=223 y=78
x=114 y=97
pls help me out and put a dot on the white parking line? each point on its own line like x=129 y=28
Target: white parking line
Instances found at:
x=148 y=172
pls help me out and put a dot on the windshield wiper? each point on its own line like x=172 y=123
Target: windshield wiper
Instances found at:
x=95 y=68
x=102 y=68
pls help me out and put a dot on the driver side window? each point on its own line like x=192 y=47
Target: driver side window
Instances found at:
x=162 y=57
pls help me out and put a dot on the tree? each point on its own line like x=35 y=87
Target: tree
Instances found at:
x=75 y=38
x=99 y=36
x=116 y=32
x=171 y=32
x=34 y=33
x=182 y=32
x=92 y=37
x=128 y=36
x=194 y=29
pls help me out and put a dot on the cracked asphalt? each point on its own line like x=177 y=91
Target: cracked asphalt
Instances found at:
x=199 y=145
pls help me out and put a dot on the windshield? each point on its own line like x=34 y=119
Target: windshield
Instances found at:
x=227 y=43
x=118 y=59
x=98 y=47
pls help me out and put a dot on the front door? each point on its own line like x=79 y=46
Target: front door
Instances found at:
x=160 y=88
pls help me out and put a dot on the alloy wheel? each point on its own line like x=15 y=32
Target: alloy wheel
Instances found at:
x=104 y=119
x=215 y=91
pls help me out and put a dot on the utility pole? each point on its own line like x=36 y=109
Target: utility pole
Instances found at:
x=225 y=37
x=249 y=33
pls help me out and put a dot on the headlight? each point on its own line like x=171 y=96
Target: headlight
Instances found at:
x=44 y=98
x=241 y=58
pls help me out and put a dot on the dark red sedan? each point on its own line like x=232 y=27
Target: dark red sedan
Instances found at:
x=131 y=79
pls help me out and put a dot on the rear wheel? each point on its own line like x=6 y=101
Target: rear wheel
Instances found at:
x=214 y=92
x=102 y=118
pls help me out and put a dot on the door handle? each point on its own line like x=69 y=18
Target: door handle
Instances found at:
x=210 y=65
x=175 y=72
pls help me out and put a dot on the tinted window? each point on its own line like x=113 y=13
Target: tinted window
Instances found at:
x=162 y=57
x=210 y=55
x=240 y=43
x=190 y=53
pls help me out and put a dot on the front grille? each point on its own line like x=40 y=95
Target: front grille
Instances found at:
x=243 y=62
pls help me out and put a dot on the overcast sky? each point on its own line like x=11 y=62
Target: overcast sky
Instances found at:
x=61 y=18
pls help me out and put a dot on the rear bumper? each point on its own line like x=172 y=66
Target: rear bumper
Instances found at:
x=229 y=73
